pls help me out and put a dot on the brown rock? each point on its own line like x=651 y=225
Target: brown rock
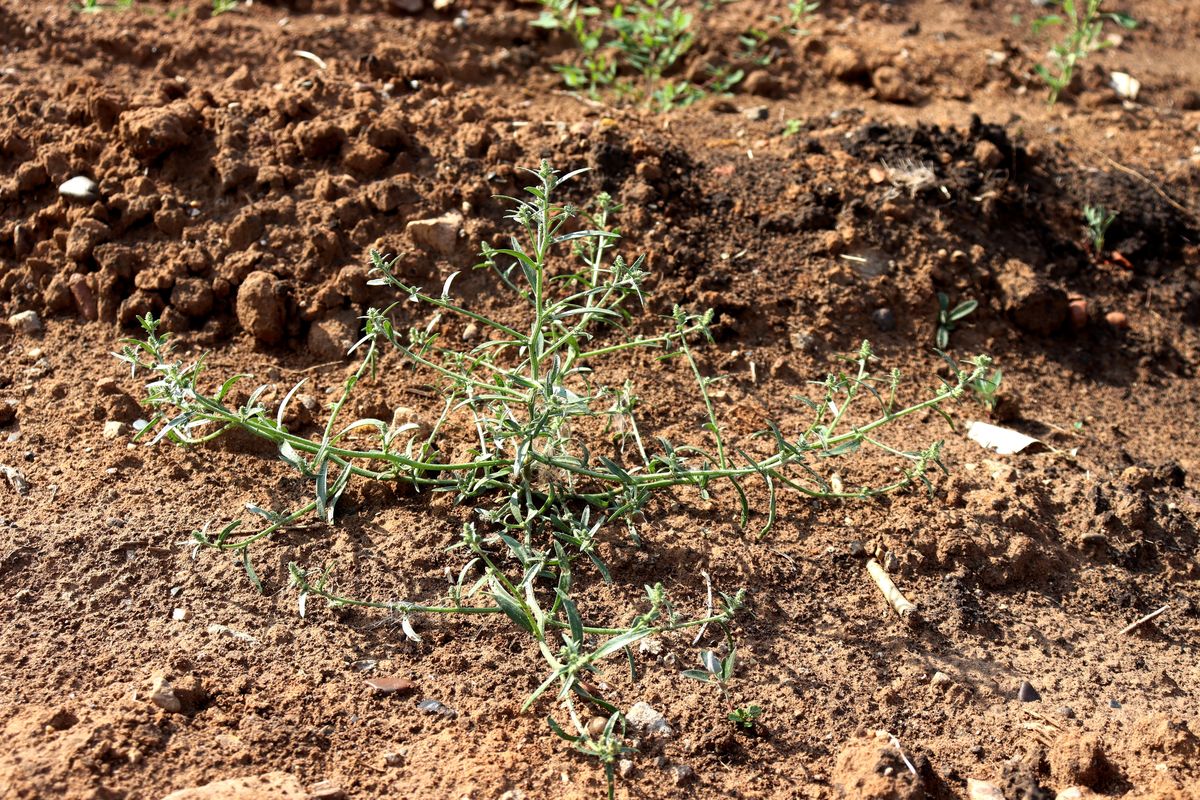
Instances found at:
x=391 y=684
x=364 y=158
x=762 y=84
x=1078 y=310
x=268 y=786
x=57 y=294
x=439 y=234
x=193 y=297
x=170 y=221
x=352 y=282
x=85 y=236
x=85 y=298
x=1033 y=303
x=330 y=338
x=987 y=155
x=1078 y=759
x=871 y=768
x=138 y=304
x=1117 y=319
x=150 y=132
x=844 y=63
x=245 y=229
x=260 y=307
x=318 y=138
x=892 y=85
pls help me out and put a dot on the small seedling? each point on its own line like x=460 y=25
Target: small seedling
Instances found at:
x=800 y=14
x=220 y=7
x=96 y=6
x=948 y=318
x=792 y=127
x=987 y=388
x=754 y=47
x=720 y=671
x=627 y=51
x=1085 y=23
x=1098 y=219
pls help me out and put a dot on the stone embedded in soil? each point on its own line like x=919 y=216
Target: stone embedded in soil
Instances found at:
x=884 y=319
x=430 y=706
x=330 y=338
x=439 y=234
x=892 y=86
x=1117 y=319
x=682 y=774
x=844 y=63
x=260 y=307
x=113 y=429
x=150 y=132
x=987 y=155
x=268 y=786
x=762 y=84
x=643 y=716
x=871 y=768
x=85 y=236
x=1078 y=758
x=1034 y=303
x=318 y=138
x=162 y=694
x=1027 y=694
x=26 y=322
x=245 y=229
x=84 y=297
x=8 y=411
x=80 y=187
x=756 y=113
x=390 y=684
x=193 y=297
x=1077 y=309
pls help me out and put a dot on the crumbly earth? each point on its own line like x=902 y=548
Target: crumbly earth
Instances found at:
x=240 y=189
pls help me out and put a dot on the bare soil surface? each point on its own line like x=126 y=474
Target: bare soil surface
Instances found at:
x=240 y=190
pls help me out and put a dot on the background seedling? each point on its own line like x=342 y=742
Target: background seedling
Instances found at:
x=720 y=671
x=948 y=318
x=1098 y=219
x=987 y=388
x=1084 y=22
x=545 y=498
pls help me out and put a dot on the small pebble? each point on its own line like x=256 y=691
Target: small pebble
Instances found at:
x=1028 y=694
x=390 y=684
x=940 y=680
x=1114 y=704
x=162 y=694
x=1078 y=309
x=393 y=759
x=26 y=322
x=113 y=429
x=625 y=767
x=596 y=726
x=80 y=188
x=437 y=707
x=884 y=319
x=682 y=774
x=756 y=113
x=180 y=614
x=1067 y=712
x=1117 y=319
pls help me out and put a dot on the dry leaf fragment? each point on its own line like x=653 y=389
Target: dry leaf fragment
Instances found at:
x=1004 y=441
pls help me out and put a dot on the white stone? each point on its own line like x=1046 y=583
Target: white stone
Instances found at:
x=80 y=188
x=26 y=322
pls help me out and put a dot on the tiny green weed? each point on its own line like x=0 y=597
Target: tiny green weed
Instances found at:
x=546 y=499
x=987 y=388
x=1084 y=22
x=1097 y=219
x=220 y=7
x=948 y=318
x=628 y=51
x=720 y=671
x=800 y=15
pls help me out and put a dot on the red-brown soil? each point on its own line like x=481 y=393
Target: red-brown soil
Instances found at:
x=219 y=153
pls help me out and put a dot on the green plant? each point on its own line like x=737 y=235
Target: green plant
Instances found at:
x=948 y=318
x=220 y=7
x=792 y=127
x=1098 y=219
x=1084 y=22
x=720 y=671
x=800 y=14
x=754 y=49
x=987 y=388
x=96 y=6
x=644 y=39
x=550 y=457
